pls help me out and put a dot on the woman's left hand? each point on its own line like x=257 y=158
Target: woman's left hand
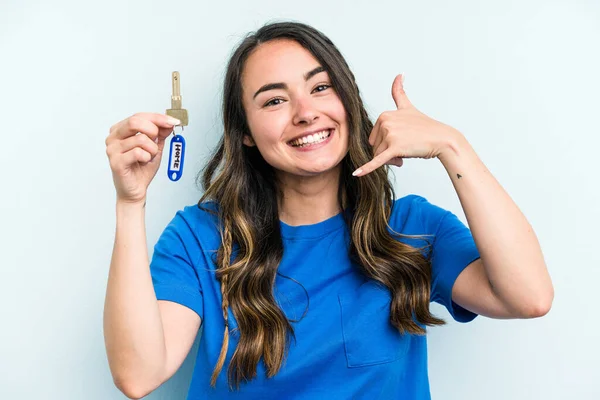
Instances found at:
x=405 y=133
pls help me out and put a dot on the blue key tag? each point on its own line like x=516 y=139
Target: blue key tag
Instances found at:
x=176 y=157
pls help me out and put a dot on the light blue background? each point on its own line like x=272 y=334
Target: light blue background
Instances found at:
x=519 y=79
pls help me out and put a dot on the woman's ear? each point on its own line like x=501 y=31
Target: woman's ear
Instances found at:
x=248 y=141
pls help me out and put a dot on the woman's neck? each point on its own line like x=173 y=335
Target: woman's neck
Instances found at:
x=309 y=200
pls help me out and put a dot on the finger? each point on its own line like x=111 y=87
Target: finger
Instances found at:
x=151 y=124
x=400 y=97
x=380 y=149
x=142 y=141
x=375 y=163
x=163 y=133
x=381 y=135
x=374 y=131
x=161 y=144
x=135 y=124
x=134 y=155
x=397 y=161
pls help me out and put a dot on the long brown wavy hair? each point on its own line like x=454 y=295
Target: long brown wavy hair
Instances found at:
x=246 y=192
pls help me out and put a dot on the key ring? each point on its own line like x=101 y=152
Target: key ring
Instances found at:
x=175 y=134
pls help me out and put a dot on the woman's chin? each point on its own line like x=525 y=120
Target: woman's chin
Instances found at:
x=323 y=167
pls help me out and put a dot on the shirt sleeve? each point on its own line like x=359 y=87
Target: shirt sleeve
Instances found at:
x=453 y=249
x=173 y=265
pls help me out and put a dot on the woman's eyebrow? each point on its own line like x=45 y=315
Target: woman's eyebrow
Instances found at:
x=281 y=85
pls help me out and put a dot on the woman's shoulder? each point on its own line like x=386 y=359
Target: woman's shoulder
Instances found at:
x=199 y=213
x=414 y=214
x=200 y=220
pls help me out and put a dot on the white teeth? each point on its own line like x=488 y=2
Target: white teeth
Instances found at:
x=317 y=137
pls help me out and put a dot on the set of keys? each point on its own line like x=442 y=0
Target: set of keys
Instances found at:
x=177 y=145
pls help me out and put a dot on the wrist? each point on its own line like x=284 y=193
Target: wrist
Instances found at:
x=454 y=144
x=126 y=205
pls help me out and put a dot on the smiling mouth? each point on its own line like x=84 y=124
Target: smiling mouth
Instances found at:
x=308 y=144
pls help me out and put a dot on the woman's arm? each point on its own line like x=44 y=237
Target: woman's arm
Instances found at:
x=511 y=279
x=512 y=267
x=146 y=340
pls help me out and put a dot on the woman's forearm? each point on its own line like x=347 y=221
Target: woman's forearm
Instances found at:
x=508 y=245
x=133 y=328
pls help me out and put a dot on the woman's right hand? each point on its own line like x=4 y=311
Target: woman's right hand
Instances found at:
x=134 y=148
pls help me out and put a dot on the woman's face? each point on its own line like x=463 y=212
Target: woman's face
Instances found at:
x=286 y=98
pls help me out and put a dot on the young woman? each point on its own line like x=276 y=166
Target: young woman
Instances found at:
x=309 y=278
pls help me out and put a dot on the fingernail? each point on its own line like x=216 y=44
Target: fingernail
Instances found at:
x=173 y=121
x=358 y=171
x=402 y=79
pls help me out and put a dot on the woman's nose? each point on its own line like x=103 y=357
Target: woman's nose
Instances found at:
x=304 y=112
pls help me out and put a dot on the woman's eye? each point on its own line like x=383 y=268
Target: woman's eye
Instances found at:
x=322 y=86
x=270 y=102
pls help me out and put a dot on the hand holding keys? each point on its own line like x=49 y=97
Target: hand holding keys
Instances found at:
x=135 y=146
